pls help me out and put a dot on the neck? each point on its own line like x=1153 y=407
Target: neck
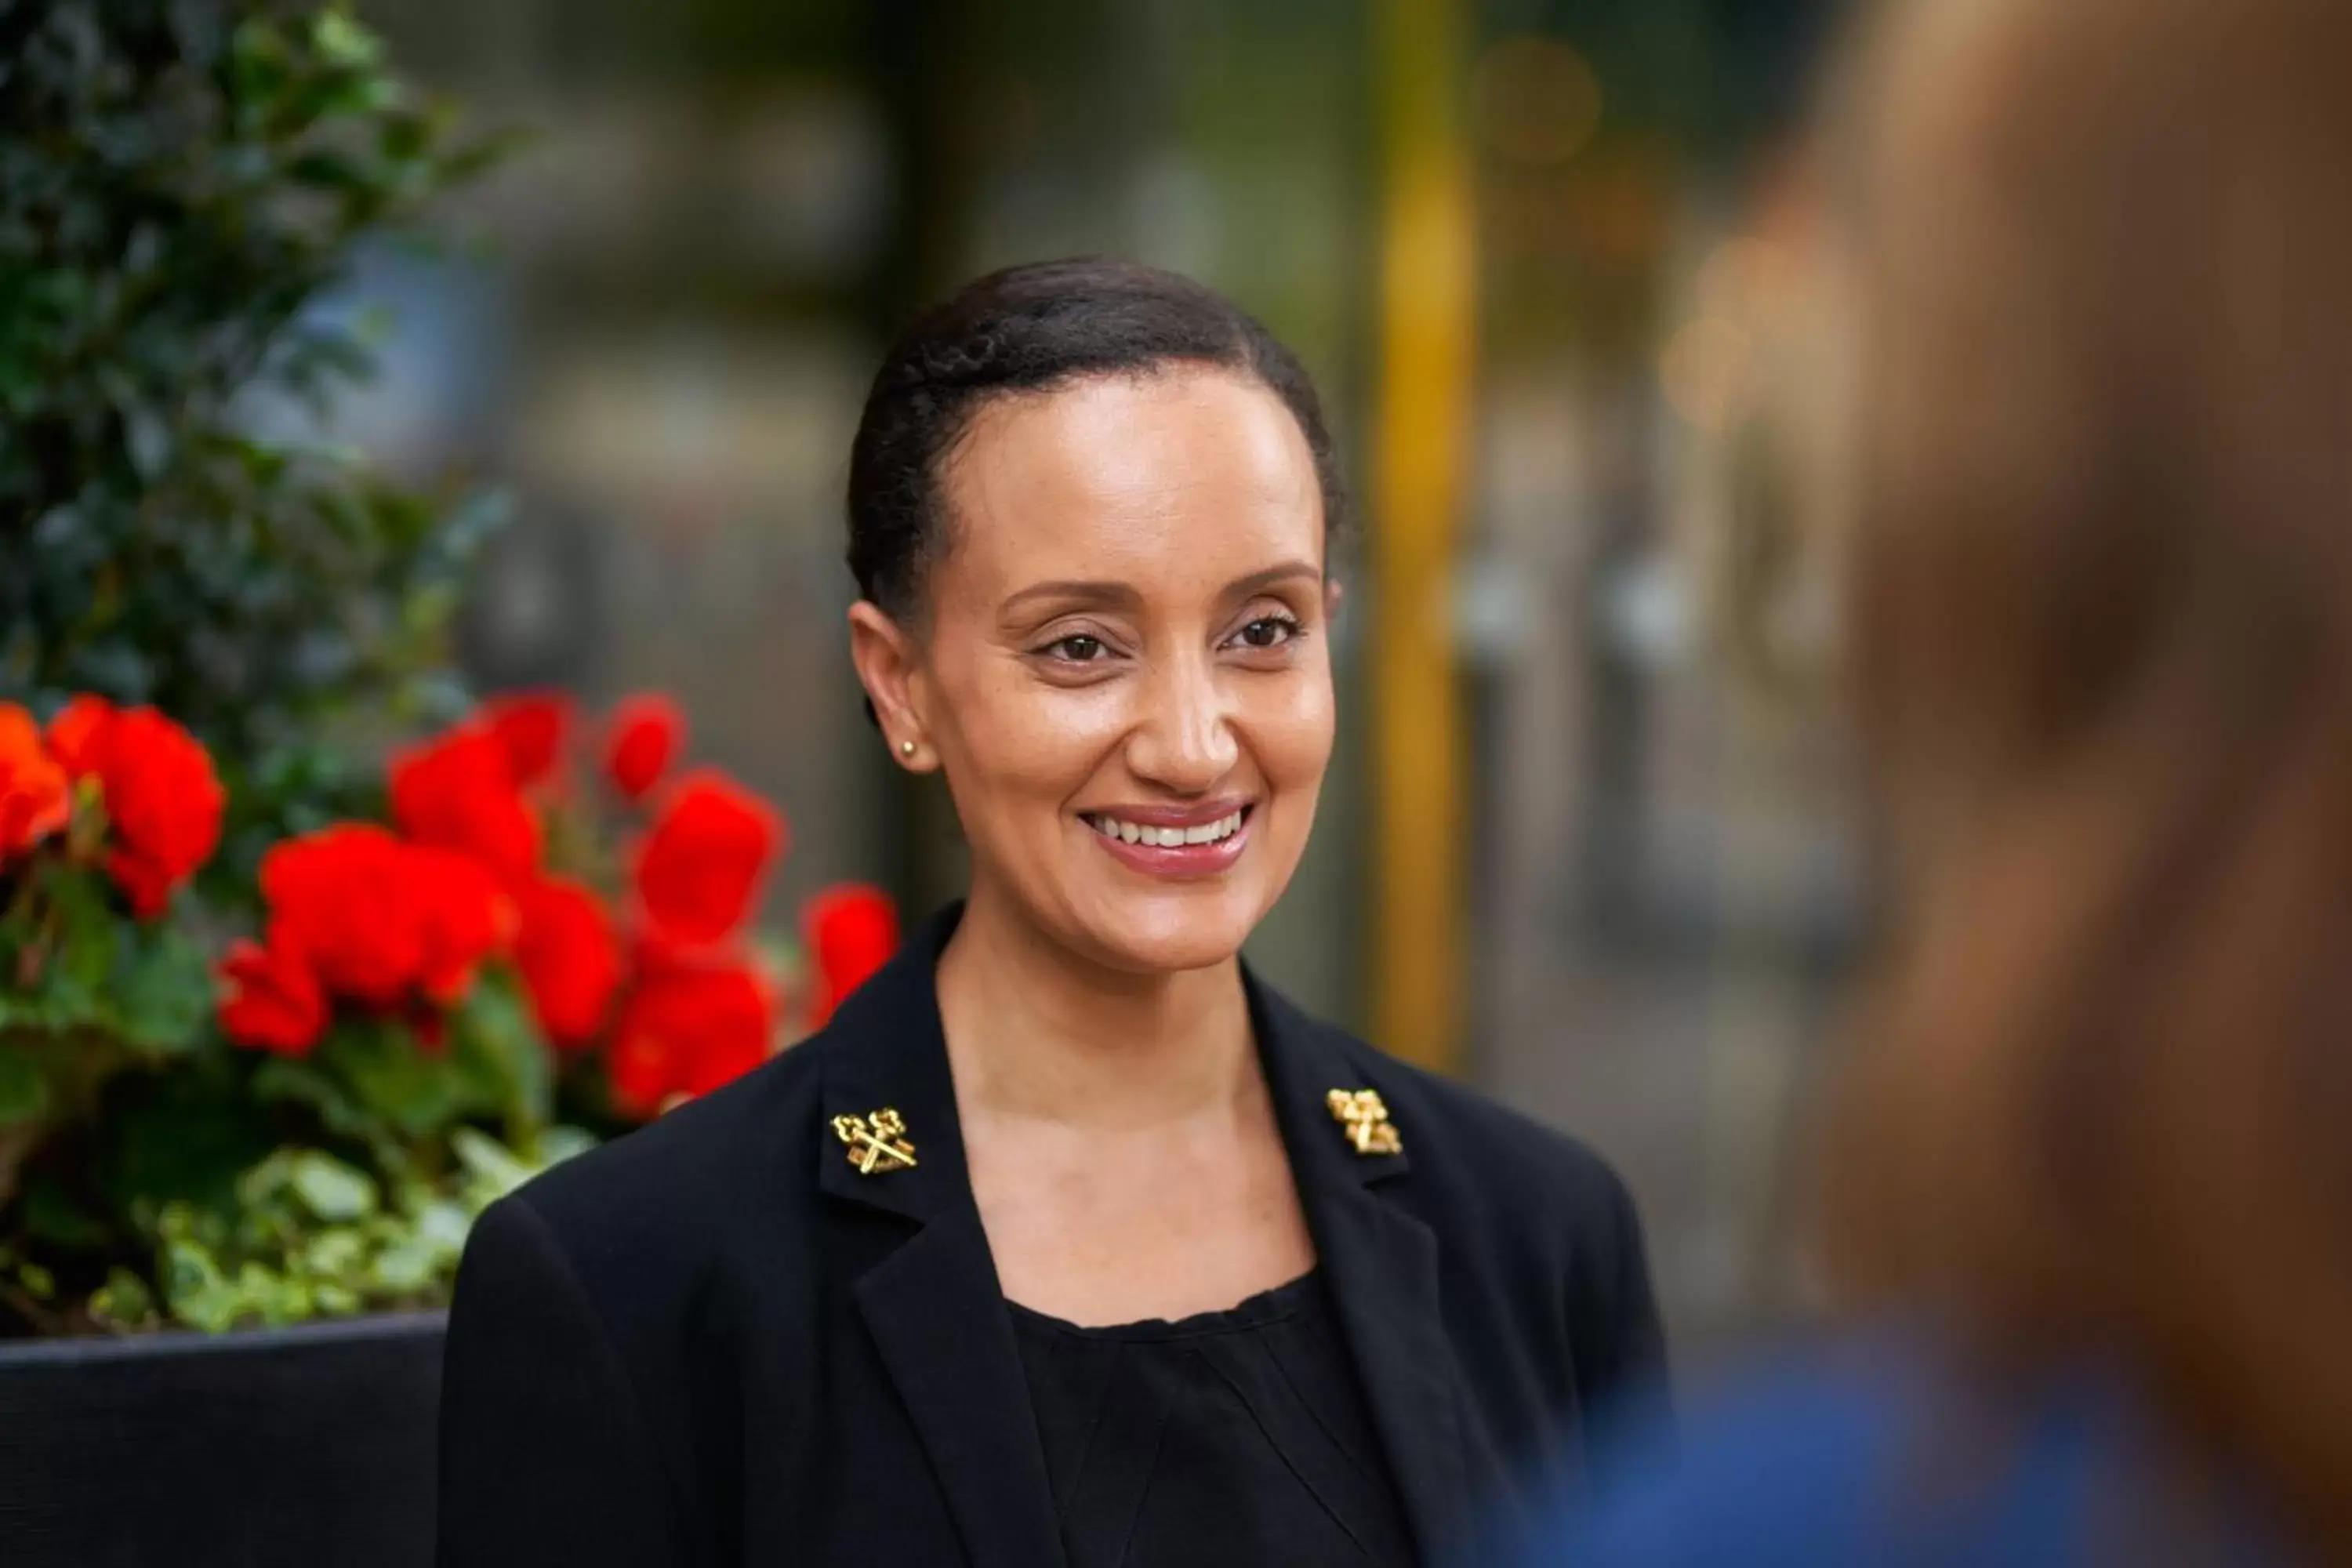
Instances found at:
x=1037 y=1030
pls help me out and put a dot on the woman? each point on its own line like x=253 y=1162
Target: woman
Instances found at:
x=2088 y=1177
x=1067 y=1241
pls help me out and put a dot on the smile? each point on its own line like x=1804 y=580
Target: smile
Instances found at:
x=1206 y=848
x=1167 y=837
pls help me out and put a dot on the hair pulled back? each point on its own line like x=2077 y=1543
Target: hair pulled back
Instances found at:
x=1033 y=329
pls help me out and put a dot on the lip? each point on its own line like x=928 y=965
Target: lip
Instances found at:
x=1192 y=816
x=1177 y=860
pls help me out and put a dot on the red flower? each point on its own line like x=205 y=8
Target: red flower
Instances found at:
x=569 y=959
x=532 y=726
x=851 y=932
x=163 y=800
x=458 y=791
x=642 y=739
x=462 y=915
x=341 y=896
x=75 y=733
x=164 y=805
x=699 y=869
x=36 y=799
x=273 y=1001
x=382 y=920
x=687 y=1030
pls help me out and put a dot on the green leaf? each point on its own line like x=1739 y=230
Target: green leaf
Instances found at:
x=496 y=1038
x=331 y=1190
x=341 y=40
x=418 y=1092
x=195 y=1288
x=333 y=1300
x=493 y=1166
x=123 y=1299
x=334 y=1252
x=70 y=990
x=556 y=1145
x=164 y=988
x=408 y=1267
x=286 y=1080
x=23 y=1090
x=443 y=1227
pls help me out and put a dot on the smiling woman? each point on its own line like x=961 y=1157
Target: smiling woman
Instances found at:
x=1123 y=646
x=1067 y=1240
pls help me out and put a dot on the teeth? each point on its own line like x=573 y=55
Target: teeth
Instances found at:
x=1167 y=838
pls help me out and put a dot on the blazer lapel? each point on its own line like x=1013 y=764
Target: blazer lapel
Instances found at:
x=1382 y=1266
x=933 y=1304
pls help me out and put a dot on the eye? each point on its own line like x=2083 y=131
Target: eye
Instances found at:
x=1267 y=632
x=1078 y=648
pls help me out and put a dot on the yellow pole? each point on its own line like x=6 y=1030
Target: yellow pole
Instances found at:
x=1428 y=321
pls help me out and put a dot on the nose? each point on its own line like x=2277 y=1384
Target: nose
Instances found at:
x=1184 y=739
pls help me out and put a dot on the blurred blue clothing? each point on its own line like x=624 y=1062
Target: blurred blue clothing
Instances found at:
x=1879 y=1455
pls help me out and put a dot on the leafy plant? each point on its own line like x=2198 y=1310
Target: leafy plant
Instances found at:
x=276 y=1022
x=311 y=1235
x=180 y=184
x=147 y=1170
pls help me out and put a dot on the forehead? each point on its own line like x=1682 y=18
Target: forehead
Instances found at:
x=1193 y=472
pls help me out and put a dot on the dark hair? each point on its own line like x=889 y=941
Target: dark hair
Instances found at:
x=1033 y=329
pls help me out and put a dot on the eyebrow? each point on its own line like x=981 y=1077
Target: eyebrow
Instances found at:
x=1124 y=597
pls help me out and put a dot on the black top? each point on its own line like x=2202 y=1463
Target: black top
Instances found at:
x=1235 y=1437
x=721 y=1341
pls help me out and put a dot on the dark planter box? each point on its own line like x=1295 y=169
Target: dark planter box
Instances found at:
x=310 y=1448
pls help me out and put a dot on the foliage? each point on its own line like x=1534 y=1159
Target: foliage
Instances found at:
x=312 y=1236
x=181 y=181
x=388 y=1052
x=276 y=1022
x=147 y=1171
x=180 y=184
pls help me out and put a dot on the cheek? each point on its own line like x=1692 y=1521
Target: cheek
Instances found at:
x=1018 y=738
x=1291 y=729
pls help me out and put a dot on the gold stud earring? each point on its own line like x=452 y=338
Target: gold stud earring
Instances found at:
x=906 y=748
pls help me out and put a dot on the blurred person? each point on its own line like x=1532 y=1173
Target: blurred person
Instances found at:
x=2086 y=1186
x=1068 y=1240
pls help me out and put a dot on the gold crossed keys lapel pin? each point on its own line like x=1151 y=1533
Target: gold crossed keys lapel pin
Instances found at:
x=877 y=1143
x=1366 y=1122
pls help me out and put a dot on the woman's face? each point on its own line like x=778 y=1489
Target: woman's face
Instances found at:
x=1126 y=672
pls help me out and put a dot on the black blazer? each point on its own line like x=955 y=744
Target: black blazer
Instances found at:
x=715 y=1342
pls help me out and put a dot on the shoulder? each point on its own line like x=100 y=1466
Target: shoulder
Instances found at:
x=1464 y=1140
x=1538 y=1235
x=1507 y=1148
x=1781 y=1469
x=1802 y=1461
x=667 y=1200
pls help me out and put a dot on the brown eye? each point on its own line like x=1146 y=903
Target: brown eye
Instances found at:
x=1079 y=649
x=1268 y=631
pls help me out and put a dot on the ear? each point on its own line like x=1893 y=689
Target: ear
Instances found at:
x=1332 y=594
x=889 y=667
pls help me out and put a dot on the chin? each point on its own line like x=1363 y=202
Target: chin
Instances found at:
x=1168 y=933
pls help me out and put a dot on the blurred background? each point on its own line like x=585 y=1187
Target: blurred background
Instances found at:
x=1537 y=254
